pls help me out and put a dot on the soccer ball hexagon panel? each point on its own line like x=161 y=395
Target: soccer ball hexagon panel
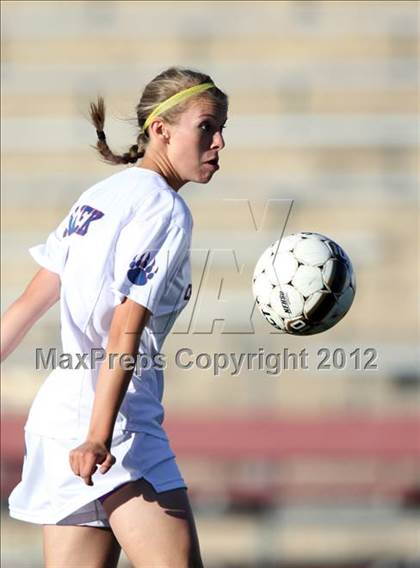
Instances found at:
x=304 y=284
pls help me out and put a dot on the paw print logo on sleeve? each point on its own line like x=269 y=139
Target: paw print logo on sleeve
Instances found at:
x=142 y=269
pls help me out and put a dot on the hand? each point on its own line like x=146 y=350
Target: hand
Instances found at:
x=84 y=460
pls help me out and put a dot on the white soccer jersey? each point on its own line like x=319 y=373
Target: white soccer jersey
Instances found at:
x=128 y=235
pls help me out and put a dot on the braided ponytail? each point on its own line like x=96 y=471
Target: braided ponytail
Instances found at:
x=136 y=151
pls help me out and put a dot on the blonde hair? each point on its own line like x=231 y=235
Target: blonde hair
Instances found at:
x=163 y=86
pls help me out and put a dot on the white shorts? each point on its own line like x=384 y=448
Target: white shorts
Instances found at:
x=50 y=493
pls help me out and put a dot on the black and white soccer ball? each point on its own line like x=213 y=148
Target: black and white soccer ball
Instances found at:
x=304 y=284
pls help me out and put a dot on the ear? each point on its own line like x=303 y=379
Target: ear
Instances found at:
x=159 y=129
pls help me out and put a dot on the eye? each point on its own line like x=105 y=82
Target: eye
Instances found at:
x=205 y=126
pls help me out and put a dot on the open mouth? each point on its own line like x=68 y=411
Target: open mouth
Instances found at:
x=214 y=162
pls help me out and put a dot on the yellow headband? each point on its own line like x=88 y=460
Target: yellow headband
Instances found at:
x=176 y=99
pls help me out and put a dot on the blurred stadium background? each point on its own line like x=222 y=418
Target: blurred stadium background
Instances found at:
x=308 y=468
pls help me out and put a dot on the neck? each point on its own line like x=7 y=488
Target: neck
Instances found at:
x=162 y=166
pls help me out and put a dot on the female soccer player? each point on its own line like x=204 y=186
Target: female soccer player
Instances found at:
x=99 y=473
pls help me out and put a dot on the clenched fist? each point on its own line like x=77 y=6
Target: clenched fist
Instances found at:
x=84 y=460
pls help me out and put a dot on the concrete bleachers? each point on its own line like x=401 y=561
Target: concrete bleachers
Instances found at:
x=127 y=19
x=323 y=107
x=323 y=104
x=323 y=112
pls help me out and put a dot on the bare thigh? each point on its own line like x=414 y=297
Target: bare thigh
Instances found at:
x=71 y=546
x=155 y=530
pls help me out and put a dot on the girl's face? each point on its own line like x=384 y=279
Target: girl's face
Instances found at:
x=196 y=140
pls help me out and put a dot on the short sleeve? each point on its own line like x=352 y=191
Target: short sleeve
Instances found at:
x=53 y=253
x=148 y=255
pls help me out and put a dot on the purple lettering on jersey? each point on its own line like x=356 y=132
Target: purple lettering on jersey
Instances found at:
x=141 y=269
x=80 y=219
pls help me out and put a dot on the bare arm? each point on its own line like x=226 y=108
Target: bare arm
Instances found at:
x=42 y=292
x=127 y=325
x=124 y=337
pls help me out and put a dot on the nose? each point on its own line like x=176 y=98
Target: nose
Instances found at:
x=218 y=141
